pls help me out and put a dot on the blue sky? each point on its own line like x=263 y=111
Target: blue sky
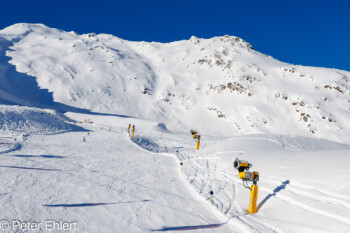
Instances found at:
x=315 y=33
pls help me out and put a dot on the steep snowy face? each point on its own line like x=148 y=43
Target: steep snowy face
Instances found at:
x=235 y=89
x=220 y=86
x=79 y=70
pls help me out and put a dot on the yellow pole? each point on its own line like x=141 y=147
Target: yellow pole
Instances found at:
x=198 y=141
x=252 y=199
x=129 y=128
x=133 y=130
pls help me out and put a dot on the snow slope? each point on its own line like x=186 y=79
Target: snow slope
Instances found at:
x=289 y=121
x=110 y=183
x=106 y=184
x=220 y=85
x=300 y=190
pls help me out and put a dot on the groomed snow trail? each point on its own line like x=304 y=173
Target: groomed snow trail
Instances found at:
x=111 y=183
x=106 y=184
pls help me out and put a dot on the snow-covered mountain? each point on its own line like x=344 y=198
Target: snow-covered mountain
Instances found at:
x=65 y=103
x=219 y=85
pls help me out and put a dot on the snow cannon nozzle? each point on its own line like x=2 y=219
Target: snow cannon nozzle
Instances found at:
x=241 y=165
x=193 y=132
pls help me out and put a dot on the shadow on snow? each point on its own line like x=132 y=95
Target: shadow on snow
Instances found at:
x=31 y=168
x=41 y=156
x=275 y=191
x=147 y=144
x=16 y=146
x=92 y=204
x=188 y=228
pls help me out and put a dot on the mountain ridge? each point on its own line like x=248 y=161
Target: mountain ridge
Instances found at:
x=221 y=86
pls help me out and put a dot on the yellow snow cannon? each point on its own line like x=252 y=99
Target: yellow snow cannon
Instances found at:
x=198 y=137
x=246 y=177
x=133 y=131
x=193 y=132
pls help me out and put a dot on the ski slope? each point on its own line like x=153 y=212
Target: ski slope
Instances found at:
x=66 y=101
x=111 y=183
x=106 y=184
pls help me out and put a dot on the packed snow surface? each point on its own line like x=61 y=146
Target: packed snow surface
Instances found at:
x=105 y=181
x=66 y=101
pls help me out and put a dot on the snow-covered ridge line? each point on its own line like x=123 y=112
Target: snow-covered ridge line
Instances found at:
x=221 y=85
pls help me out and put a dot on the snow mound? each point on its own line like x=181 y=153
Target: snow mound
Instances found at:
x=17 y=120
x=160 y=127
